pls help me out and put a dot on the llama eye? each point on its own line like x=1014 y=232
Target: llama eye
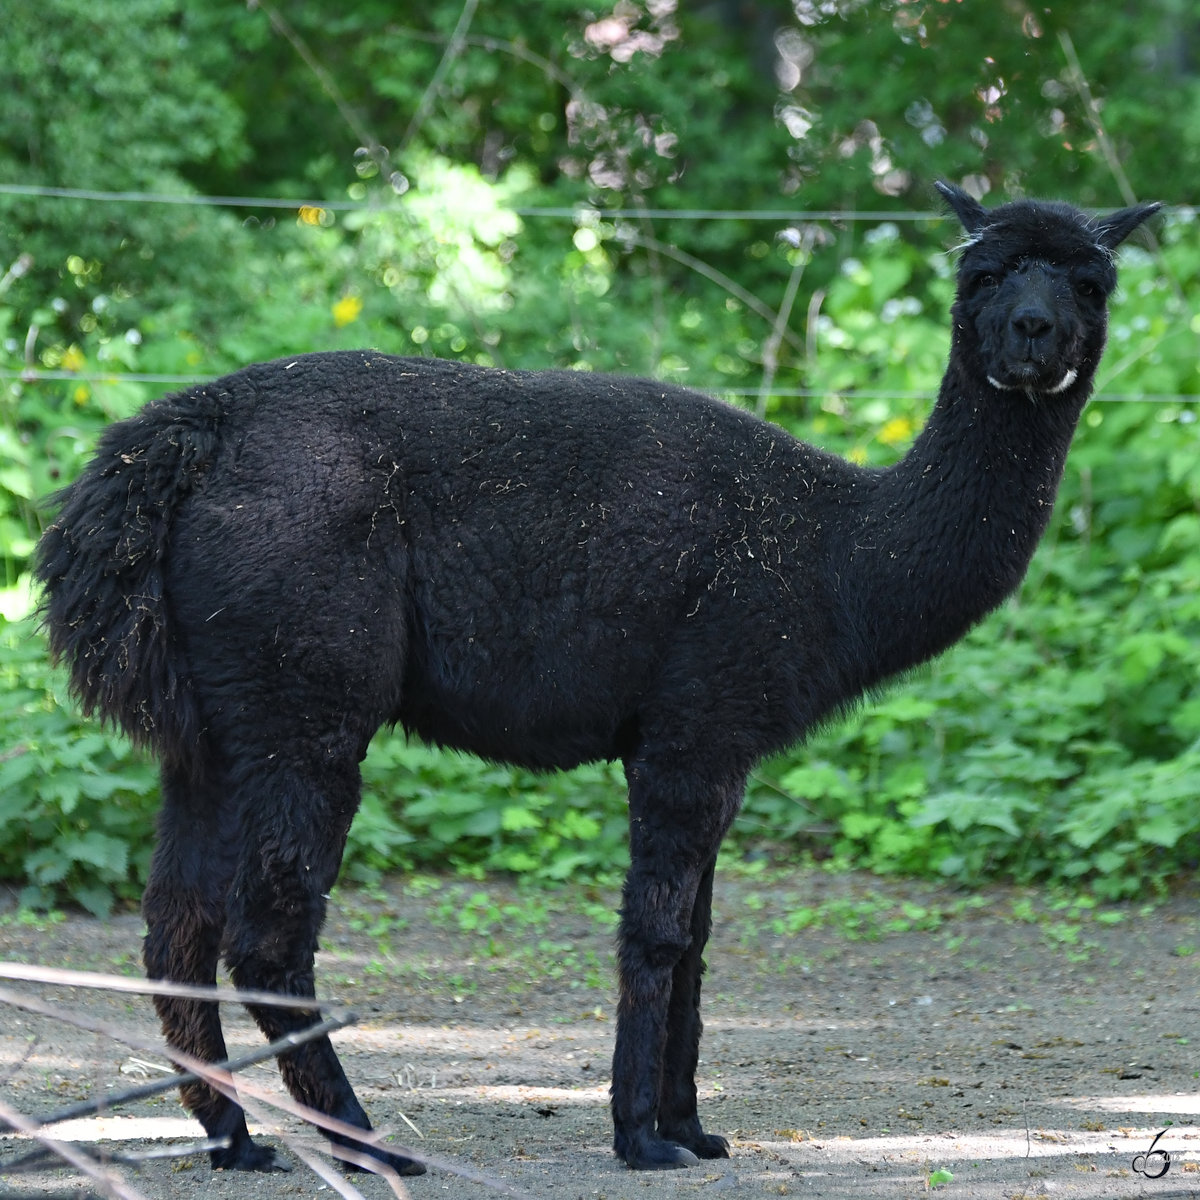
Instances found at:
x=1085 y=287
x=987 y=281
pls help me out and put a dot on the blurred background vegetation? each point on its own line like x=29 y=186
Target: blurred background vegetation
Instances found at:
x=735 y=195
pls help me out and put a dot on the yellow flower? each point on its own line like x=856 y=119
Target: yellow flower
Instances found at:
x=346 y=310
x=898 y=429
x=73 y=360
x=311 y=215
x=81 y=394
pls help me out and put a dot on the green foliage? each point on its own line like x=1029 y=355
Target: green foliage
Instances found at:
x=91 y=107
x=1062 y=738
x=76 y=803
x=1060 y=741
x=424 y=808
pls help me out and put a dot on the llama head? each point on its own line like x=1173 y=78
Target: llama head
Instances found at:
x=1034 y=279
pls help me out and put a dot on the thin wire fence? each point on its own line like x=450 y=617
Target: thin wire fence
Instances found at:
x=558 y=212
x=386 y=197
x=582 y=214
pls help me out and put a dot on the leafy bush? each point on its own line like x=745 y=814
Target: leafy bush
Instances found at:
x=430 y=809
x=76 y=802
x=1061 y=740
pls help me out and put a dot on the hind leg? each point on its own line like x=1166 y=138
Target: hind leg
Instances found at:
x=294 y=836
x=184 y=908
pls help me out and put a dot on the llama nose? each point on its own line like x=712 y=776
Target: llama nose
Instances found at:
x=1032 y=321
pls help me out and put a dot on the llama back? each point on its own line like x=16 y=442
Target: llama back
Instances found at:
x=101 y=564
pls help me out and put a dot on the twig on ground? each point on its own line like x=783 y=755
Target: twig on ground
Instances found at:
x=110 y=1183
x=221 y=1080
x=88 y=1108
x=43 y=1159
x=27 y=973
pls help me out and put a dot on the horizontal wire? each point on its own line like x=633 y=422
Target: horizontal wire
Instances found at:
x=39 y=375
x=558 y=211
x=731 y=214
x=550 y=211
x=63 y=193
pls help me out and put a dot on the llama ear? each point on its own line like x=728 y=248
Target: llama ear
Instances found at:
x=1115 y=228
x=969 y=211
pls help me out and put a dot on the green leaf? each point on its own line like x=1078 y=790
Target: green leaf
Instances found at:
x=514 y=819
x=1162 y=830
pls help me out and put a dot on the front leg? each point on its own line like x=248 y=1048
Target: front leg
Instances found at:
x=676 y=825
x=649 y=951
x=678 y=1120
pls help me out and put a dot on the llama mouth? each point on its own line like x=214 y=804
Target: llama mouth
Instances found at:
x=1027 y=380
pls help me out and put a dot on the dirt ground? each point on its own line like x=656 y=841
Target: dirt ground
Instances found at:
x=862 y=1039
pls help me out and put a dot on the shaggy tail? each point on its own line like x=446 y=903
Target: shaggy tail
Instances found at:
x=101 y=564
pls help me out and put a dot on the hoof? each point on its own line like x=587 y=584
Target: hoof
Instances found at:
x=693 y=1138
x=657 y=1154
x=385 y=1158
x=710 y=1145
x=245 y=1155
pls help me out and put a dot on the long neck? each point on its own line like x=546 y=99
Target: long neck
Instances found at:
x=947 y=534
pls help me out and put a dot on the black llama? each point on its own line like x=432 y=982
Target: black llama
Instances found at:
x=543 y=568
